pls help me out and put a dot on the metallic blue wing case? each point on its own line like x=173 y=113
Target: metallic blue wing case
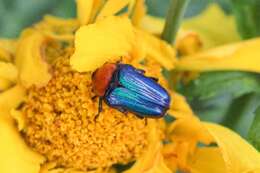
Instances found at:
x=132 y=91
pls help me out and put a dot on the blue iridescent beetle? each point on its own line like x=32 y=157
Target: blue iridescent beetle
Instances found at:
x=127 y=89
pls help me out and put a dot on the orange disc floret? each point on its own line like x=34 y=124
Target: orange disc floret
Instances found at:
x=60 y=124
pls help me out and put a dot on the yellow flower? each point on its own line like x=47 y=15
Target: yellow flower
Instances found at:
x=47 y=106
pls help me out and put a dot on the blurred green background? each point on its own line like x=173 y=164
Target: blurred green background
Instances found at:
x=228 y=98
x=17 y=14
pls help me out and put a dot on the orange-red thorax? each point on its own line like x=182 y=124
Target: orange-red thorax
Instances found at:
x=102 y=77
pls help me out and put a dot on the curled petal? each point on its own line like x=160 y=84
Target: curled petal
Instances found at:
x=8 y=45
x=106 y=40
x=243 y=56
x=30 y=59
x=57 y=28
x=137 y=11
x=4 y=84
x=13 y=150
x=15 y=155
x=112 y=7
x=87 y=10
x=151 y=161
x=188 y=42
x=189 y=129
x=179 y=107
x=84 y=9
x=157 y=49
x=238 y=155
x=205 y=160
x=11 y=98
x=185 y=133
x=4 y=55
x=8 y=75
x=176 y=154
x=152 y=24
x=7 y=49
x=8 y=71
x=19 y=117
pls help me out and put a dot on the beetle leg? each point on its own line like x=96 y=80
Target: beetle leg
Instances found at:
x=124 y=111
x=143 y=118
x=140 y=71
x=120 y=60
x=93 y=98
x=99 y=108
x=155 y=79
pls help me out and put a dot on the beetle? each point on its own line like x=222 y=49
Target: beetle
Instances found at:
x=127 y=89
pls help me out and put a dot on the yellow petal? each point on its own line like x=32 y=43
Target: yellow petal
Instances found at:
x=189 y=129
x=106 y=40
x=57 y=28
x=243 y=56
x=239 y=156
x=112 y=7
x=188 y=42
x=137 y=13
x=15 y=155
x=30 y=60
x=8 y=71
x=50 y=167
x=4 y=84
x=179 y=107
x=156 y=165
x=13 y=150
x=152 y=24
x=84 y=9
x=205 y=25
x=4 y=55
x=176 y=154
x=157 y=49
x=11 y=98
x=7 y=49
x=159 y=166
x=151 y=161
x=207 y=160
x=19 y=117
x=8 y=45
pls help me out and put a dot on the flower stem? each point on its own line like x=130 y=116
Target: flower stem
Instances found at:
x=173 y=19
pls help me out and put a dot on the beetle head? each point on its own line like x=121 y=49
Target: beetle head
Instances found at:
x=102 y=77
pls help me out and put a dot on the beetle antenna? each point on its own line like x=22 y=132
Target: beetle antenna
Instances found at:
x=99 y=108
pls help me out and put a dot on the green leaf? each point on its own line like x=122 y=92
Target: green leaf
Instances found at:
x=240 y=113
x=247 y=14
x=213 y=84
x=16 y=15
x=212 y=110
x=159 y=7
x=229 y=98
x=254 y=135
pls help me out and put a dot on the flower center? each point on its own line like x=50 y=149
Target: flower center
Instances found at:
x=60 y=124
